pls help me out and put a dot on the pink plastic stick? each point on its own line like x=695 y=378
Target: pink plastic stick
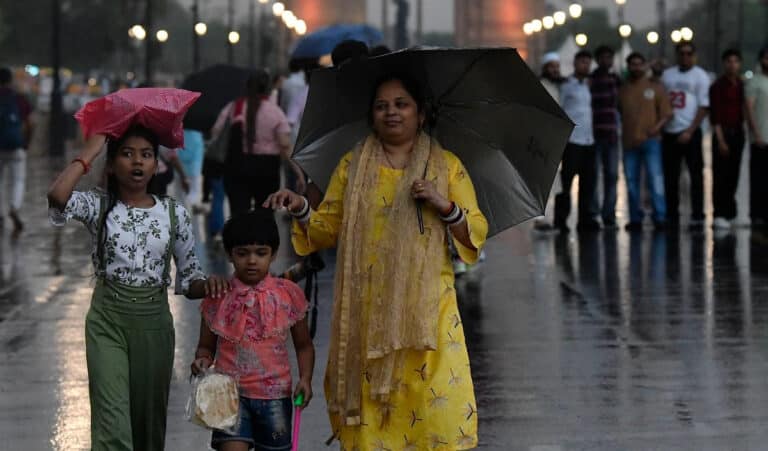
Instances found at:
x=296 y=427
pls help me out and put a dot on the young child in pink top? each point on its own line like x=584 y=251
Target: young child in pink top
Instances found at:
x=244 y=333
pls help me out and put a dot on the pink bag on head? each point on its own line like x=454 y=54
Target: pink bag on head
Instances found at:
x=161 y=110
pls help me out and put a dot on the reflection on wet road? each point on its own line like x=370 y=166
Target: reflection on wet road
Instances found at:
x=612 y=341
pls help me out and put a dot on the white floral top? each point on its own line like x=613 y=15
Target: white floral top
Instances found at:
x=137 y=240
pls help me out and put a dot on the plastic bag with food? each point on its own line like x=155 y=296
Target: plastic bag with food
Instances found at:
x=214 y=402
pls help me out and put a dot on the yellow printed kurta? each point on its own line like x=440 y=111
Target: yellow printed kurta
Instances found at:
x=434 y=405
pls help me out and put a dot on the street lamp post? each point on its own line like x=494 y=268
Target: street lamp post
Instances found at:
x=195 y=36
x=231 y=27
x=148 y=44
x=252 y=33
x=55 y=126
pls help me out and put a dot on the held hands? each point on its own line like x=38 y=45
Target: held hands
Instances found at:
x=723 y=148
x=304 y=387
x=284 y=199
x=427 y=191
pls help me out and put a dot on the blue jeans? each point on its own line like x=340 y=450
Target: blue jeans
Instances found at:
x=265 y=424
x=216 y=216
x=608 y=158
x=648 y=153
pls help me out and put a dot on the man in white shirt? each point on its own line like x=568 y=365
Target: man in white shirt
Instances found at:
x=688 y=88
x=757 y=117
x=579 y=156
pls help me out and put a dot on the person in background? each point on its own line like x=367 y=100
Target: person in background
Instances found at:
x=727 y=105
x=605 y=100
x=15 y=133
x=348 y=50
x=757 y=115
x=688 y=88
x=644 y=108
x=551 y=80
x=168 y=168
x=579 y=157
x=191 y=159
x=260 y=139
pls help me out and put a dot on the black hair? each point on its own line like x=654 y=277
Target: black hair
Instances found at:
x=379 y=50
x=762 y=53
x=6 y=76
x=348 y=50
x=635 y=55
x=680 y=46
x=411 y=86
x=731 y=52
x=113 y=190
x=253 y=227
x=603 y=50
x=257 y=87
x=582 y=54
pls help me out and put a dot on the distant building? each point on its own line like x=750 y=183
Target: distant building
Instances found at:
x=320 y=13
x=498 y=23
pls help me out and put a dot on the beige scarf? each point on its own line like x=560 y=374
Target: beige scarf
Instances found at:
x=403 y=286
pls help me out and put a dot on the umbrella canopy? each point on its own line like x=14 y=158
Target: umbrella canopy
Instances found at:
x=487 y=107
x=159 y=109
x=322 y=41
x=219 y=85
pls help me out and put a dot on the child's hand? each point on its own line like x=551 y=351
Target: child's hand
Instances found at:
x=304 y=387
x=216 y=286
x=200 y=364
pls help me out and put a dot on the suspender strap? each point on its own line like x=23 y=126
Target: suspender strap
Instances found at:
x=172 y=232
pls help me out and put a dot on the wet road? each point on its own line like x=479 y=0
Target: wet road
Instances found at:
x=613 y=341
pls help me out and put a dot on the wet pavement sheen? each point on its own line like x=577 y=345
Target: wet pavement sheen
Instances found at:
x=611 y=341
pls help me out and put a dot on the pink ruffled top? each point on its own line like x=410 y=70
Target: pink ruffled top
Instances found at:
x=252 y=324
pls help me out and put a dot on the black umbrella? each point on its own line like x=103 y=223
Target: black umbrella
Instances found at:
x=219 y=85
x=486 y=106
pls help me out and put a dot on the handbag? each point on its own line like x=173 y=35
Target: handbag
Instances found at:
x=218 y=148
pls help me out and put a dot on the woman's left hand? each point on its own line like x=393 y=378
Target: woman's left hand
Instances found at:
x=427 y=191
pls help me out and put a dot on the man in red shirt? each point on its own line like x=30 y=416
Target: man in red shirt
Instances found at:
x=15 y=130
x=727 y=103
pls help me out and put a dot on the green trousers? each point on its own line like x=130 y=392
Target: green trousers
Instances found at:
x=129 y=342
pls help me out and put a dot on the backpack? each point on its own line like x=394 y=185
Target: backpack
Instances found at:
x=10 y=123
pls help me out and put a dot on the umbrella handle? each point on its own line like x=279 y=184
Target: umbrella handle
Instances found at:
x=420 y=216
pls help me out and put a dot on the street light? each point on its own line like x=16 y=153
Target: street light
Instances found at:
x=528 y=28
x=621 y=2
x=581 y=39
x=575 y=10
x=548 y=22
x=559 y=17
x=289 y=18
x=625 y=30
x=278 y=9
x=233 y=37
x=536 y=25
x=162 y=35
x=652 y=37
x=300 y=27
x=138 y=32
x=676 y=36
x=686 y=33
x=263 y=1
x=201 y=28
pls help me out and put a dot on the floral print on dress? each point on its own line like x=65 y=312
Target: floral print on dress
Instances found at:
x=252 y=324
x=137 y=241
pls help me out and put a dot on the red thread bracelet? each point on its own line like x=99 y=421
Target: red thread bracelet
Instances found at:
x=86 y=166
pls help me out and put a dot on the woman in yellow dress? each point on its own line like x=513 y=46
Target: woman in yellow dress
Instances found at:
x=398 y=375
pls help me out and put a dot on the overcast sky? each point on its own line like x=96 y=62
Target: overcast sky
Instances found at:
x=438 y=14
